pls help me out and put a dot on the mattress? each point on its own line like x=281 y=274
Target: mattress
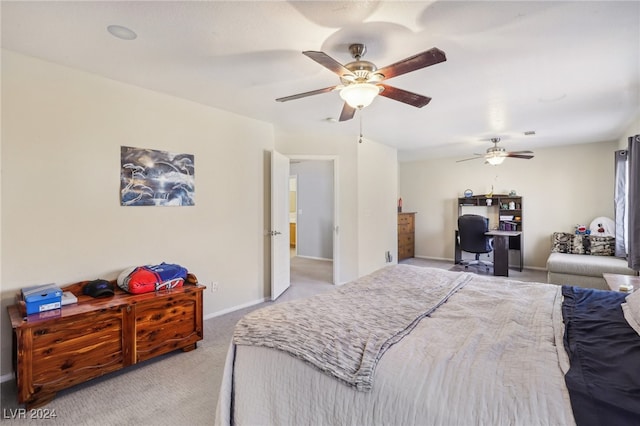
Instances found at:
x=492 y=354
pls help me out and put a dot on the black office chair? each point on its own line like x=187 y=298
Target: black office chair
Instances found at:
x=471 y=229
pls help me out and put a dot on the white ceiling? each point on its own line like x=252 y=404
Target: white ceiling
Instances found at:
x=570 y=71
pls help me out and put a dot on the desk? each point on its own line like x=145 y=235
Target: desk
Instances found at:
x=502 y=242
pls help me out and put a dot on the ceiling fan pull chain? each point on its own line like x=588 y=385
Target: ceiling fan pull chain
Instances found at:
x=360 y=114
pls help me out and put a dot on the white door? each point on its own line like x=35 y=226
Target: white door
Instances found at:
x=280 y=277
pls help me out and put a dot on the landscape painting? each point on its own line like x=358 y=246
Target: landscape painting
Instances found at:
x=156 y=178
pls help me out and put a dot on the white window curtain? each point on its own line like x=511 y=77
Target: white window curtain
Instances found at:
x=621 y=193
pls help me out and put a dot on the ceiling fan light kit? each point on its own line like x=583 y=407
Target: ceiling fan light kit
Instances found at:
x=361 y=80
x=495 y=160
x=496 y=154
x=359 y=95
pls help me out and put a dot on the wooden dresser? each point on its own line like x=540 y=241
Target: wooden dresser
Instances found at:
x=56 y=349
x=406 y=235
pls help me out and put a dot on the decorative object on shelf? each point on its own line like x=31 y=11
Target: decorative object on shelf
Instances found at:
x=400 y=205
x=490 y=194
x=489 y=201
x=468 y=193
x=512 y=193
x=512 y=205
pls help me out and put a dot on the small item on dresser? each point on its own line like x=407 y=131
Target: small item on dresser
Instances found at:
x=148 y=278
x=98 y=288
x=41 y=298
x=68 y=298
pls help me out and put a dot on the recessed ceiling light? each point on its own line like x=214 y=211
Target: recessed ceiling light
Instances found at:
x=121 y=32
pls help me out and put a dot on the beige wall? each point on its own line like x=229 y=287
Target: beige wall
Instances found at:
x=377 y=203
x=561 y=187
x=61 y=219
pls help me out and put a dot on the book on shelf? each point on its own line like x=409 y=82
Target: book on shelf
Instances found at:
x=508 y=226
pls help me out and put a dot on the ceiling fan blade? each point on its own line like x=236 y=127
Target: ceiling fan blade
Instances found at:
x=514 y=155
x=520 y=152
x=305 y=94
x=405 y=96
x=472 y=158
x=421 y=60
x=347 y=112
x=328 y=62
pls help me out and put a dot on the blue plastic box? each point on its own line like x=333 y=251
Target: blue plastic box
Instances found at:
x=42 y=298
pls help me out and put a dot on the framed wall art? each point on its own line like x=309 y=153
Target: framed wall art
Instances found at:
x=150 y=177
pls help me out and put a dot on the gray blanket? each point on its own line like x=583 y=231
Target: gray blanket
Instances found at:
x=345 y=332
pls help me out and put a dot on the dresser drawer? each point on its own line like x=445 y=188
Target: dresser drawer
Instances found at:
x=405 y=229
x=405 y=219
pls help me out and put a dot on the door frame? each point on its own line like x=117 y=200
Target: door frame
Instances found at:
x=336 y=207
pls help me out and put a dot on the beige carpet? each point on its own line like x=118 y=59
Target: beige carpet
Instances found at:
x=179 y=388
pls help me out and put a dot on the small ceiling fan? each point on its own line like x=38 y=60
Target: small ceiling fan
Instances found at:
x=496 y=154
x=361 y=80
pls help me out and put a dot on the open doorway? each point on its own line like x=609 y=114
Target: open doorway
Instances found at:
x=313 y=224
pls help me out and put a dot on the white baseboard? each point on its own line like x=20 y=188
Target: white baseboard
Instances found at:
x=434 y=258
x=234 y=308
x=6 y=377
x=315 y=258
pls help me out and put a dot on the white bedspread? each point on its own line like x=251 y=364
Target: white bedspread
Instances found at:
x=486 y=357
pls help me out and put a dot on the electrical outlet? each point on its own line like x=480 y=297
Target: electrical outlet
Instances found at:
x=214 y=286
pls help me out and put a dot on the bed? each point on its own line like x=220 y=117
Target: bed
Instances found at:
x=409 y=345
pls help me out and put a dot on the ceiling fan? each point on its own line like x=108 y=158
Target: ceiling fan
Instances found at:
x=496 y=154
x=361 y=80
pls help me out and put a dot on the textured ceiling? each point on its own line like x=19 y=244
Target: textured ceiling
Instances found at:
x=568 y=70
